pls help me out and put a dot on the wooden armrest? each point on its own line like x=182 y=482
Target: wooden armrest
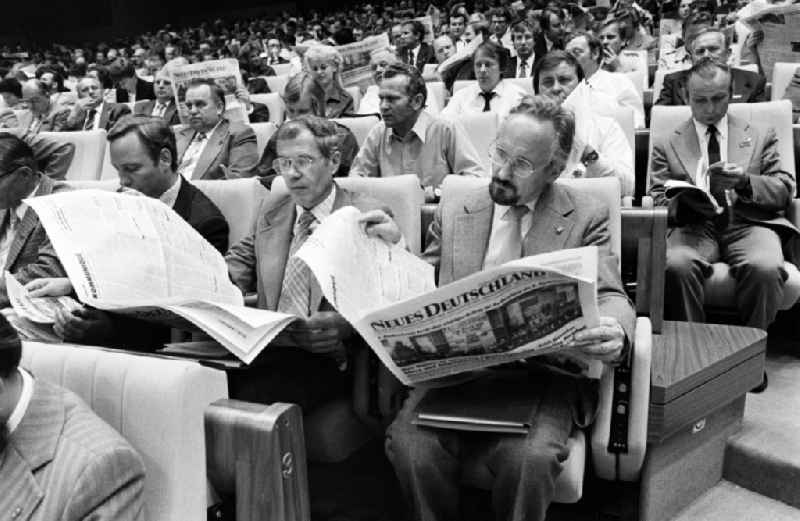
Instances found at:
x=642 y=158
x=257 y=454
x=618 y=446
x=793 y=212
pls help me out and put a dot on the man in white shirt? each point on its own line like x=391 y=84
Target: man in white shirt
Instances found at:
x=458 y=24
x=490 y=93
x=599 y=148
x=587 y=49
x=52 y=445
x=739 y=166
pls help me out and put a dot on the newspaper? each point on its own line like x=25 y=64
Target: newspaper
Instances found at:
x=781 y=27
x=33 y=318
x=525 y=308
x=137 y=257
x=356 y=57
x=224 y=73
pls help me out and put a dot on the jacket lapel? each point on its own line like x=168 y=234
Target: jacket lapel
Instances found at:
x=274 y=232
x=740 y=142
x=182 y=140
x=28 y=224
x=475 y=226
x=549 y=226
x=104 y=115
x=216 y=141
x=687 y=149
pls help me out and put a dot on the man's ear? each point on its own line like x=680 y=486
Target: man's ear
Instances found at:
x=165 y=158
x=335 y=160
x=417 y=102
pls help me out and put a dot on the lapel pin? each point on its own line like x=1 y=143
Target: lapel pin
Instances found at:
x=745 y=143
x=559 y=229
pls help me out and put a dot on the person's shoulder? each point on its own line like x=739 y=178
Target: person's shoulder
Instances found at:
x=585 y=206
x=676 y=75
x=748 y=76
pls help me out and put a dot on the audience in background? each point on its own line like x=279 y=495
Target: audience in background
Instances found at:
x=92 y=111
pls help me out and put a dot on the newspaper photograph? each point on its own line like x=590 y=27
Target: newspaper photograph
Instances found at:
x=224 y=73
x=355 y=59
x=781 y=27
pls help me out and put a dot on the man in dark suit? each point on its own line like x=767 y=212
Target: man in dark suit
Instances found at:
x=92 y=112
x=163 y=106
x=308 y=361
x=521 y=65
x=414 y=51
x=213 y=147
x=58 y=460
x=738 y=165
x=466 y=236
x=42 y=115
x=746 y=86
x=25 y=249
x=130 y=87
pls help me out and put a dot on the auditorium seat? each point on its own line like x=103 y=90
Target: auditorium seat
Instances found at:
x=263 y=132
x=276 y=83
x=719 y=288
x=355 y=91
x=156 y=404
x=639 y=79
x=90 y=149
x=781 y=77
x=481 y=128
x=238 y=200
x=282 y=69
x=360 y=126
x=437 y=96
x=608 y=465
x=274 y=103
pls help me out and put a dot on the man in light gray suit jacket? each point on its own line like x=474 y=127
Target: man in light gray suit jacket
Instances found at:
x=521 y=213
x=58 y=460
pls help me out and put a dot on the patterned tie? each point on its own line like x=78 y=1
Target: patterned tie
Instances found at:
x=523 y=73
x=295 y=296
x=191 y=155
x=160 y=109
x=487 y=98
x=89 y=123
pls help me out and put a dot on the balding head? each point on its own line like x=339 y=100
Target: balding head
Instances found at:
x=35 y=95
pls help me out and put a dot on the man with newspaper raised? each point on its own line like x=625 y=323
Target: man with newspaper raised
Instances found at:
x=522 y=213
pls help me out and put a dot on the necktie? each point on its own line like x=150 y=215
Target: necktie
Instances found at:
x=160 y=109
x=296 y=289
x=89 y=123
x=487 y=98
x=523 y=73
x=509 y=237
x=191 y=155
x=713 y=145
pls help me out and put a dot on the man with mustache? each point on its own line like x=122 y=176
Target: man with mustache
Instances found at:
x=523 y=212
x=409 y=140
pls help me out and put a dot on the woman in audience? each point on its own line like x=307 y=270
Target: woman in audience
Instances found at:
x=323 y=65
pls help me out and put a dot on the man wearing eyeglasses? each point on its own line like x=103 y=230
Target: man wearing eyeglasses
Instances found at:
x=521 y=213
x=308 y=362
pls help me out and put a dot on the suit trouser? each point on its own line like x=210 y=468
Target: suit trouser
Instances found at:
x=427 y=461
x=754 y=255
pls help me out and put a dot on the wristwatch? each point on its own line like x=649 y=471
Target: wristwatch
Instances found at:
x=590 y=158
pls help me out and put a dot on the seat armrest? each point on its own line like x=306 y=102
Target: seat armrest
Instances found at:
x=647 y=202
x=256 y=453
x=793 y=212
x=618 y=446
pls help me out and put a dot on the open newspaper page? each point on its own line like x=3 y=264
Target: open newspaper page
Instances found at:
x=781 y=43
x=136 y=256
x=224 y=73
x=33 y=317
x=355 y=59
x=525 y=308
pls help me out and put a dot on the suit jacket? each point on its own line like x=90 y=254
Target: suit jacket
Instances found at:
x=425 y=55
x=56 y=120
x=63 y=462
x=31 y=256
x=109 y=115
x=53 y=158
x=748 y=87
x=231 y=144
x=145 y=108
x=756 y=151
x=144 y=91
x=257 y=262
x=511 y=67
x=202 y=215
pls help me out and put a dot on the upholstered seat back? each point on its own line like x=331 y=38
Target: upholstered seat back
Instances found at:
x=274 y=103
x=360 y=127
x=157 y=404
x=481 y=128
x=782 y=73
x=238 y=200
x=90 y=149
x=264 y=132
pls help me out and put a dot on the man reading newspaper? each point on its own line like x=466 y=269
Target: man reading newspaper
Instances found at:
x=522 y=213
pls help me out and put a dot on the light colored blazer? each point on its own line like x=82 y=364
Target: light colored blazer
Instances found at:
x=64 y=463
x=231 y=144
x=257 y=262
x=563 y=218
x=752 y=149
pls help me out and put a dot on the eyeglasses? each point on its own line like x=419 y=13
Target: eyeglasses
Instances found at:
x=299 y=163
x=520 y=166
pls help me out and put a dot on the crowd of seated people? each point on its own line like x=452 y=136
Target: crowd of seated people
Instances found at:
x=554 y=81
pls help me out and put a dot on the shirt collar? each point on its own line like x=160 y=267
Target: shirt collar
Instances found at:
x=501 y=209
x=22 y=404
x=210 y=132
x=322 y=210
x=170 y=195
x=721 y=126
x=420 y=129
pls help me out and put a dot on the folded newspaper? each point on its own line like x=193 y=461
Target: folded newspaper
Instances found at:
x=135 y=256
x=694 y=196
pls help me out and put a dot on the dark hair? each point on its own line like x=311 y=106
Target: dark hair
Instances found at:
x=543 y=108
x=457 y=14
x=417 y=28
x=499 y=11
x=58 y=78
x=544 y=18
x=416 y=85
x=522 y=26
x=217 y=92
x=154 y=133
x=14 y=154
x=121 y=68
x=323 y=130
x=706 y=30
x=494 y=51
x=550 y=61
x=10 y=348
x=594 y=43
x=12 y=86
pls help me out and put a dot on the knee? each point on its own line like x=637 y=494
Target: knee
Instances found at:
x=682 y=263
x=763 y=270
x=535 y=458
x=407 y=445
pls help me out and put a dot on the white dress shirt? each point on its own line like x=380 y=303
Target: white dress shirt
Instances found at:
x=501 y=235
x=320 y=212
x=701 y=176
x=619 y=87
x=22 y=404
x=159 y=109
x=170 y=195
x=469 y=101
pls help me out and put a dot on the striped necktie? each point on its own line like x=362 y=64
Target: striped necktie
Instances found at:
x=295 y=296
